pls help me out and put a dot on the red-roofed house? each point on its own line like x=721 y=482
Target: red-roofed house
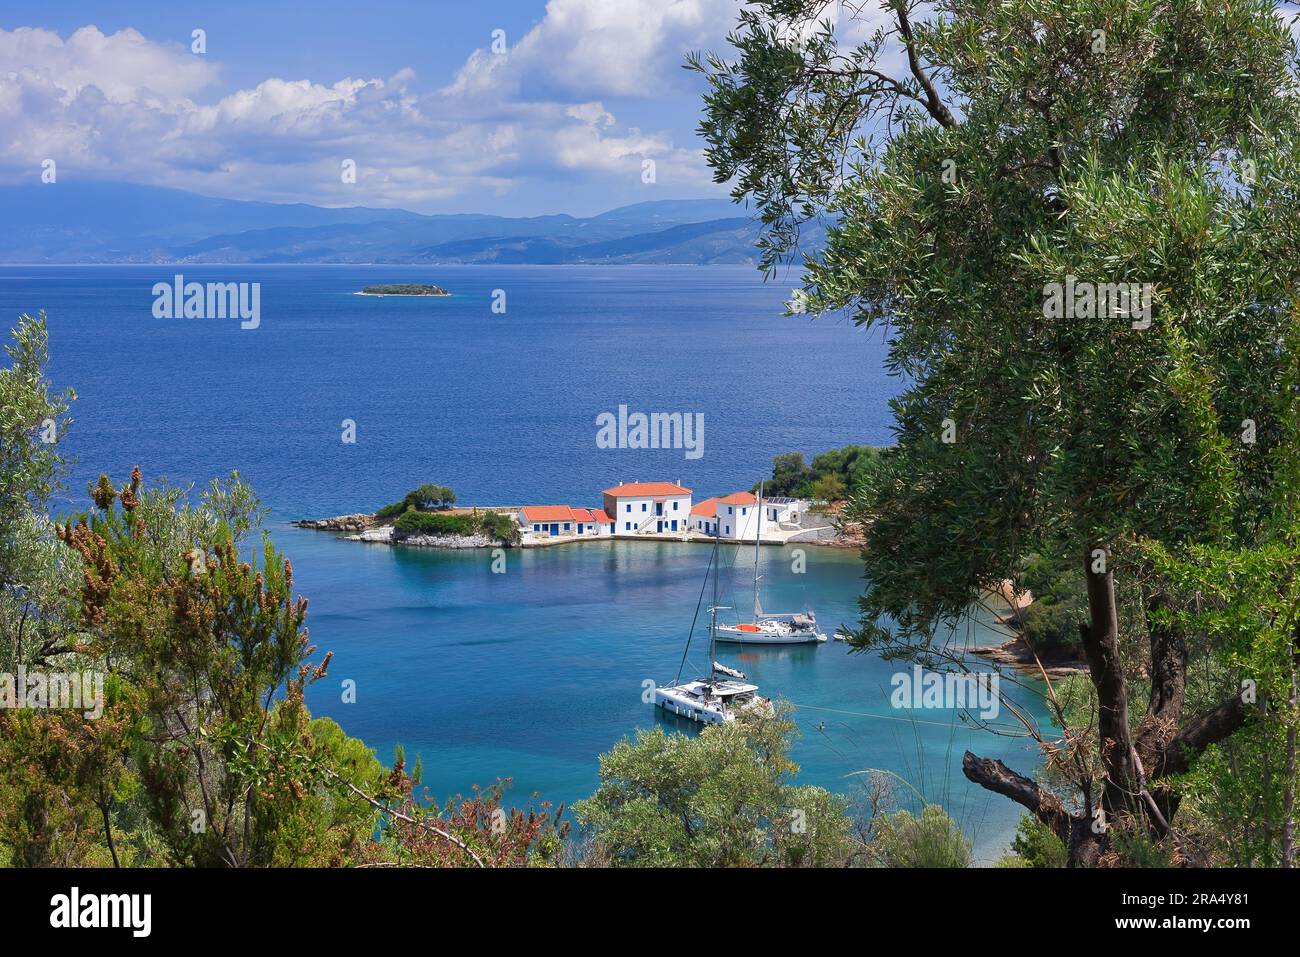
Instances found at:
x=735 y=516
x=648 y=508
x=557 y=521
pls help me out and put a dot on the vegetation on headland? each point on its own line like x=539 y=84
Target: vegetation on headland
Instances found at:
x=493 y=525
x=1154 y=451
x=832 y=476
x=426 y=498
x=405 y=289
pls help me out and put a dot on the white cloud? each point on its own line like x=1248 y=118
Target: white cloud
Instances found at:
x=600 y=48
x=121 y=106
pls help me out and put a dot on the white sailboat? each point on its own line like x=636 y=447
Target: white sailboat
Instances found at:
x=722 y=696
x=771 y=628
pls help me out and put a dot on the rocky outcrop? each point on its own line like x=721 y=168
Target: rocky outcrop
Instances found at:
x=339 y=523
x=1057 y=662
x=384 y=534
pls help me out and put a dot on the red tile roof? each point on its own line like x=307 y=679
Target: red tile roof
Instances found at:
x=706 y=509
x=739 y=498
x=642 y=489
x=548 y=513
x=598 y=515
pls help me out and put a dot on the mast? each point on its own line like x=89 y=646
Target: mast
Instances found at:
x=713 y=610
x=758 y=533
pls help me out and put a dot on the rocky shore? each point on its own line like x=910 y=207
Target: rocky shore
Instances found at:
x=363 y=527
x=384 y=535
x=1017 y=653
x=339 y=523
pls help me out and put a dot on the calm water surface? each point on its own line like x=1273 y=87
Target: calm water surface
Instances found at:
x=532 y=673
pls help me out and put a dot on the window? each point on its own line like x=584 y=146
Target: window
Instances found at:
x=628 y=525
x=674 y=506
x=629 y=506
x=536 y=527
x=730 y=510
x=643 y=506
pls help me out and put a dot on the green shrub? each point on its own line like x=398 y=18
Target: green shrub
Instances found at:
x=931 y=840
x=501 y=527
x=1036 y=845
x=434 y=523
x=426 y=498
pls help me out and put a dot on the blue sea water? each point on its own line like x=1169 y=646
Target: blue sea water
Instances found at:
x=530 y=674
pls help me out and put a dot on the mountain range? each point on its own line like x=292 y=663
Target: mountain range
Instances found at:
x=96 y=222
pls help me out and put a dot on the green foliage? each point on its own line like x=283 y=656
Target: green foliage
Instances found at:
x=931 y=840
x=1002 y=160
x=422 y=523
x=832 y=476
x=35 y=572
x=1060 y=604
x=405 y=289
x=501 y=527
x=1109 y=168
x=494 y=525
x=721 y=799
x=1035 y=845
x=426 y=498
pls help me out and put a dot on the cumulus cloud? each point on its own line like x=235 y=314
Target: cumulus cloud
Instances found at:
x=121 y=106
x=599 y=48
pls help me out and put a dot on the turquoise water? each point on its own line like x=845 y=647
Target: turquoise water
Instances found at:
x=530 y=674
x=533 y=672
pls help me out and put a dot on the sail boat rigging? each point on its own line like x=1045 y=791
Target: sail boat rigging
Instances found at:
x=725 y=693
x=770 y=629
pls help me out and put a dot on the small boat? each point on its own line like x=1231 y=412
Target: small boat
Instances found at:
x=722 y=696
x=770 y=629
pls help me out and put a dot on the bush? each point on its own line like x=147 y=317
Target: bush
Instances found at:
x=722 y=798
x=1036 y=845
x=501 y=527
x=433 y=523
x=494 y=525
x=931 y=840
x=426 y=498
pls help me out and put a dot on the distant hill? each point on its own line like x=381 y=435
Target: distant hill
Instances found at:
x=126 y=223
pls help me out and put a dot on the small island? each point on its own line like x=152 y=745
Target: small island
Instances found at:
x=404 y=289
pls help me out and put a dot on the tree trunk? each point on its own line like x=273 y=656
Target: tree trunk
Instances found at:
x=1101 y=645
x=1288 y=789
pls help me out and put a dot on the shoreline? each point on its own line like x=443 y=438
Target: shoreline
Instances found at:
x=363 y=527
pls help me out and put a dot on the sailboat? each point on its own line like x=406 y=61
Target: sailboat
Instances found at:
x=722 y=696
x=771 y=628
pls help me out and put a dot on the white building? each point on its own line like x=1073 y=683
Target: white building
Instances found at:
x=561 y=521
x=736 y=517
x=648 y=508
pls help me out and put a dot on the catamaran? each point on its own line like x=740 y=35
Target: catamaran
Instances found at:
x=770 y=628
x=722 y=696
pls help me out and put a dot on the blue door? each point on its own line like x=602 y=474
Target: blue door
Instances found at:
x=555 y=528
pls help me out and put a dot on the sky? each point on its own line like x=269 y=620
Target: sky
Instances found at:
x=560 y=117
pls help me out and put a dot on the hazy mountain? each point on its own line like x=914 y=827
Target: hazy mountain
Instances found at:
x=119 y=223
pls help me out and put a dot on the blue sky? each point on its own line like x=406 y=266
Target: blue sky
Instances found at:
x=562 y=121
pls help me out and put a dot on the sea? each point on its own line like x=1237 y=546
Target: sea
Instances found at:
x=338 y=403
